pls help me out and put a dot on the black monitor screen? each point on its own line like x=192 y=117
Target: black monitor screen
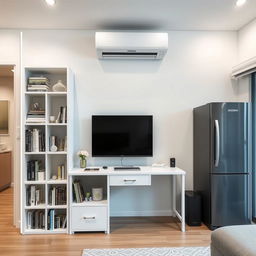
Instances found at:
x=122 y=136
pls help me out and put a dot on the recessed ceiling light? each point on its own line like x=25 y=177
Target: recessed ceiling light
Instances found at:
x=240 y=2
x=51 y=2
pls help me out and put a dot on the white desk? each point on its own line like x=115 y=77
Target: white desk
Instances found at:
x=94 y=220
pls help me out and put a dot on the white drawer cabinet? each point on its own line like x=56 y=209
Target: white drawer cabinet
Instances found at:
x=130 y=180
x=89 y=218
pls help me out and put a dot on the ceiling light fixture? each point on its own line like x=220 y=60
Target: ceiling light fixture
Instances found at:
x=50 y=2
x=240 y=2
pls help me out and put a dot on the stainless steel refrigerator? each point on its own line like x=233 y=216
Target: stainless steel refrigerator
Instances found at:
x=221 y=169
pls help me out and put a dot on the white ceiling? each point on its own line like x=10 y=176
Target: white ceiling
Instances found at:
x=127 y=14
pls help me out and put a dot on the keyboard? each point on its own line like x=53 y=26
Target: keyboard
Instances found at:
x=125 y=168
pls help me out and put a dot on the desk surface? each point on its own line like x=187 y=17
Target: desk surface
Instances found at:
x=143 y=171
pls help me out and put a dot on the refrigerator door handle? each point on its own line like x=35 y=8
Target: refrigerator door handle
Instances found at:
x=217 y=143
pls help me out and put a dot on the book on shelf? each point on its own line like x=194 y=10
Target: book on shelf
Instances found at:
x=38 y=84
x=56 y=220
x=58 y=195
x=36 y=219
x=34 y=195
x=33 y=168
x=62 y=115
x=36 y=115
x=78 y=192
x=34 y=140
x=61 y=174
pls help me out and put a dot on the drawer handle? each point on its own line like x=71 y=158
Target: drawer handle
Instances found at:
x=129 y=180
x=89 y=218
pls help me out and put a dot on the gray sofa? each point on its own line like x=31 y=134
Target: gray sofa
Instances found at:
x=234 y=241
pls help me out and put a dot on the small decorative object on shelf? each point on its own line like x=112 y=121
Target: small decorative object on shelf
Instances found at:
x=59 y=87
x=36 y=113
x=54 y=177
x=53 y=147
x=52 y=119
x=41 y=176
x=83 y=154
x=97 y=194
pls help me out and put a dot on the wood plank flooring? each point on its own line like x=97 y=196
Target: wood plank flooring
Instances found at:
x=126 y=232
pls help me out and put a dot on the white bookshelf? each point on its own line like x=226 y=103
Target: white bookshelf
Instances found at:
x=51 y=102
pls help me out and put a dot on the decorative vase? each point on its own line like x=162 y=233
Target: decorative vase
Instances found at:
x=83 y=162
x=59 y=87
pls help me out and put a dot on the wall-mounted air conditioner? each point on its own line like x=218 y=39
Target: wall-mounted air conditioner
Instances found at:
x=131 y=45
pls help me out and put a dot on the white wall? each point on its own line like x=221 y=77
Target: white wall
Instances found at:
x=246 y=50
x=247 y=41
x=195 y=71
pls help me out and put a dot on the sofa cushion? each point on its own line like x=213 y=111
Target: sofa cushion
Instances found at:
x=235 y=240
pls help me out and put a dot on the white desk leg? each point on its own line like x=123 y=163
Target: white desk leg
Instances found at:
x=108 y=215
x=183 y=203
x=174 y=195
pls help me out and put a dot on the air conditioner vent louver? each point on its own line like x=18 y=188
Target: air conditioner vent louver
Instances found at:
x=143 y=55
x=127 y=45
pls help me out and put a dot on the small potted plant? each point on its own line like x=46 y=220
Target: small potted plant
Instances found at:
x=82 y=155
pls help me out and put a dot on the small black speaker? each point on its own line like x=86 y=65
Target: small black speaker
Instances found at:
x=193 y=204
x=172 y=162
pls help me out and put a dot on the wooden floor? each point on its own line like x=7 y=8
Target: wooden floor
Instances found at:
x=128 y=232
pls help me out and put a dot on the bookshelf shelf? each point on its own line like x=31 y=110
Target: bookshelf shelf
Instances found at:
x=56 y=93
x=57 y=153
x=57 y=231
x=34 y=182
x=38 y=107
x=57 y=207
x=35 y=231
x=35 y=153
x=35 y=93
x=57 y=182
x=35 y=207
x=91 y=203
x=56 y=124
x=34 y=124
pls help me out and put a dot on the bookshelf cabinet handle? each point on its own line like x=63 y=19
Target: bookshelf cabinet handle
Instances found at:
x=89 y=218
x=129 y=180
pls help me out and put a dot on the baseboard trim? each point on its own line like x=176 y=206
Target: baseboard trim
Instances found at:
x=141 y=213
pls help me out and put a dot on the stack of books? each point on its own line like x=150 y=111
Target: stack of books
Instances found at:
x=58 y=195
x=38 y=84
x=35 y=140
x=62 y=116
x=36 y=116
x=56 y=221
x=34 y=195
x=33 y=168
x=36 y=219
x=78 y=191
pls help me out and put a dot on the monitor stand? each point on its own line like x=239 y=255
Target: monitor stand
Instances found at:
x=125 y=168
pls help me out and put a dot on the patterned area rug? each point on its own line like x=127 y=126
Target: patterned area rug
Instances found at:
x=174 y=251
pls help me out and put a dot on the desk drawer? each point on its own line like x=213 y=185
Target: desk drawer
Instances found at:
x=89 y=218
x=130 y=180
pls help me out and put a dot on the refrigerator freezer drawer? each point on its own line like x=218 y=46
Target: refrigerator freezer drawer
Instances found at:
x=229 y=200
